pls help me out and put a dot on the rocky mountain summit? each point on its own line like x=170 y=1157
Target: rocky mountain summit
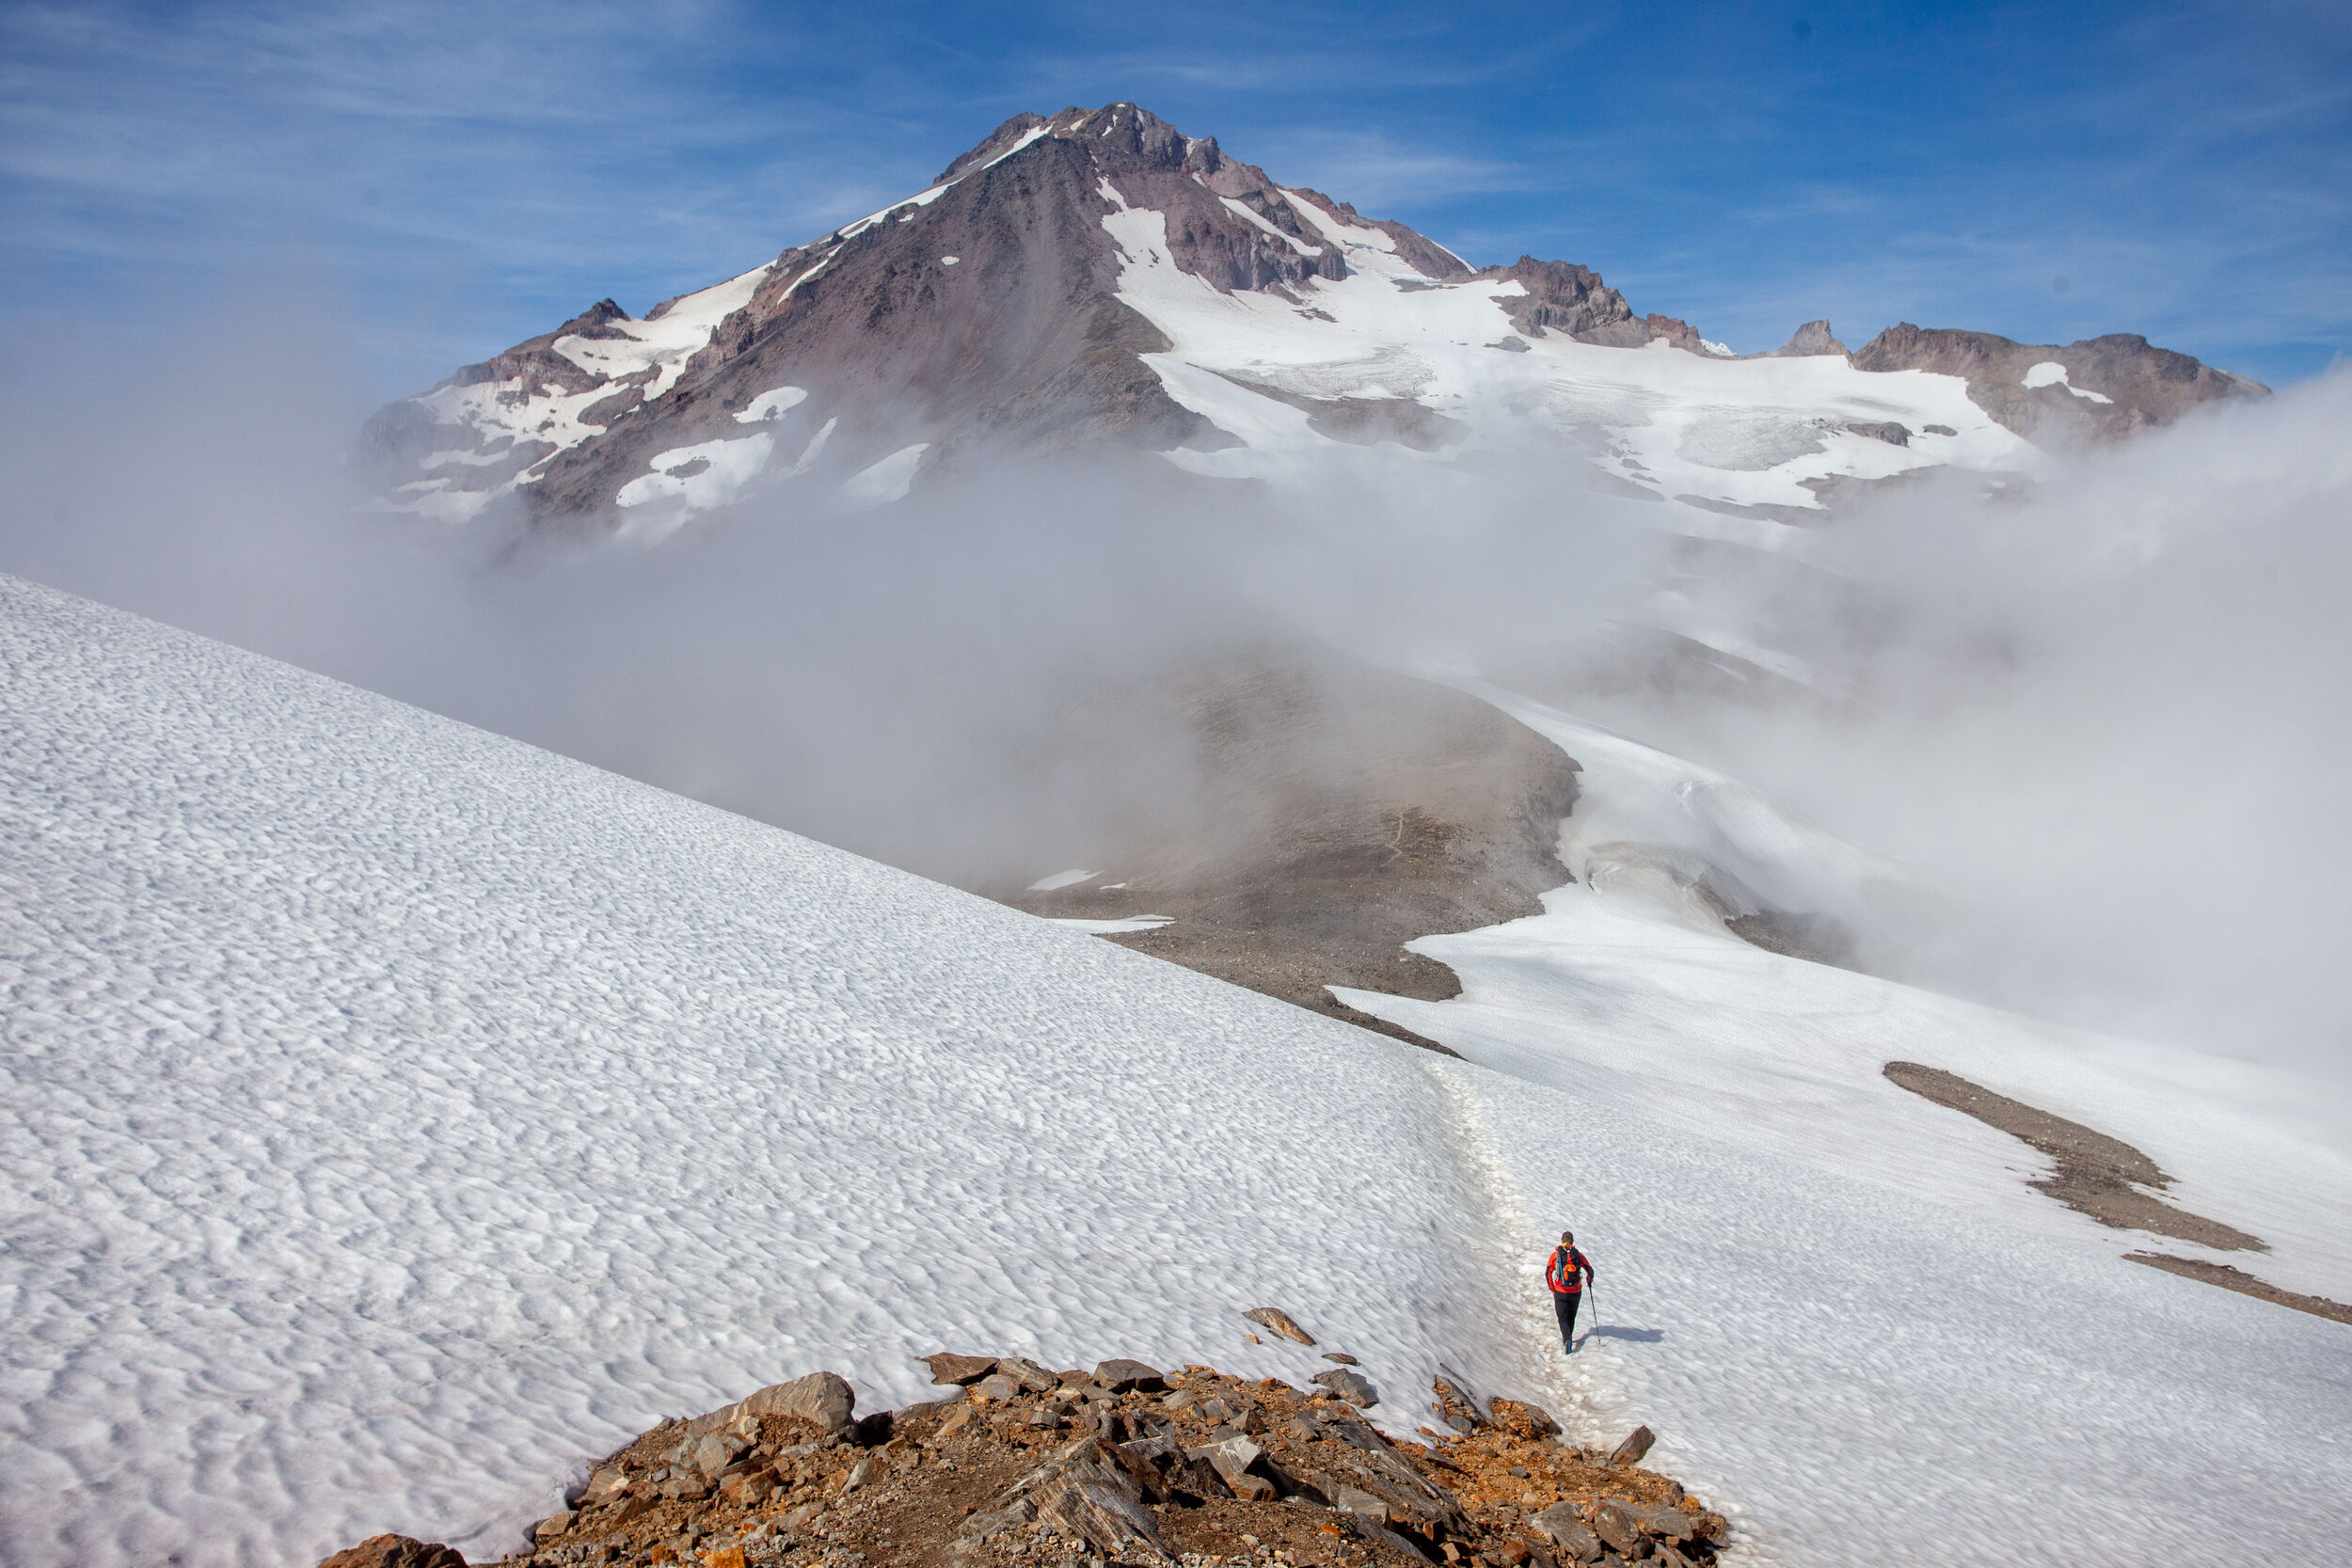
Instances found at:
x=1098 y=277
x=984 y=307
x=1018 y=1464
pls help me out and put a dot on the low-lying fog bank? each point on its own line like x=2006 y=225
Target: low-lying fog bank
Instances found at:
x=2102 y=712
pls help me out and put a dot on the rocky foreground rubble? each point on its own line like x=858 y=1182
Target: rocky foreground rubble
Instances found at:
x=1025 y=1467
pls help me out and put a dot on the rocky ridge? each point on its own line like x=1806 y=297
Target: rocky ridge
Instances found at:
x=1017 y=1465
x=2099 y=389
x=995 y=312
x=981 y=310
x=1574 y=301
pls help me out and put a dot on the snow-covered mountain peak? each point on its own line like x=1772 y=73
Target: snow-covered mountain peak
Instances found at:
x=1125 y=127
x=1102 y=277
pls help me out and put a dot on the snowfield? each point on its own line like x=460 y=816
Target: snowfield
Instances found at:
x=1629 y=990
x=1631 y=994
x=396 y=1116
x=1742 y=431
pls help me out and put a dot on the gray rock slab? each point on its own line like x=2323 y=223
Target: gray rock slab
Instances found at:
x=1354 y=1387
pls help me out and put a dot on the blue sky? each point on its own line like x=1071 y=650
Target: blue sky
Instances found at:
x=438 y=180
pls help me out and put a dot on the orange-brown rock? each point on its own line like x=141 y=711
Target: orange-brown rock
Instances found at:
x=1208 y=1469
x=396 y=1551
x=1637 y=1443
x=948 y=1366
x=1522 y=1420
x=1281 y=1322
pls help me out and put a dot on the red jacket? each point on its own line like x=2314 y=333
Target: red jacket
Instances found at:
x=1568 y=1271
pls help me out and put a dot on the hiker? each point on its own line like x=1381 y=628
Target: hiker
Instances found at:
x=1568 y=1274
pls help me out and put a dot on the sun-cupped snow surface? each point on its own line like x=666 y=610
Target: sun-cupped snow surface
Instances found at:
x=1629 y=990
x=1677 y=423
x=2053 y=1389
x=1872 y=1380
x=396 y=1116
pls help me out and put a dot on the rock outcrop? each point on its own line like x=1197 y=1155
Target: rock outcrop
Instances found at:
x=1018 y=1466
x=1280 y=1321
x=1082 y=1494
x=396 y=1551
x=1813 y=337
x=1573 y=301
x=2098 y=389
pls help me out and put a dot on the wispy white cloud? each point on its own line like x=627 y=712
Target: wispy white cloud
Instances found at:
x=471 y=173
x=392 y=147
x=1377 y=170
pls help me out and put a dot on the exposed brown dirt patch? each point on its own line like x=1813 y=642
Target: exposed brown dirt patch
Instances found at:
x=1815 y=938
x=2097 y=1175
x=2102 y=1177
x=2242 y=1283
x=1343 y=813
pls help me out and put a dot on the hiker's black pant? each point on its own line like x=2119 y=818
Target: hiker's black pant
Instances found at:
x=1565 y=1305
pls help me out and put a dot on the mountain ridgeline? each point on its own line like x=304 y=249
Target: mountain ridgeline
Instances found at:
x=1045 y=294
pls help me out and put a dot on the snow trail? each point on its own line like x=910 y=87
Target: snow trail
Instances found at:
x=1525 y=1359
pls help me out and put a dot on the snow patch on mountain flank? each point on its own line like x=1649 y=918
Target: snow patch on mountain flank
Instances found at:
x=696 y=479
x=771 y=405
x=524 y=404
x=2049 y=372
